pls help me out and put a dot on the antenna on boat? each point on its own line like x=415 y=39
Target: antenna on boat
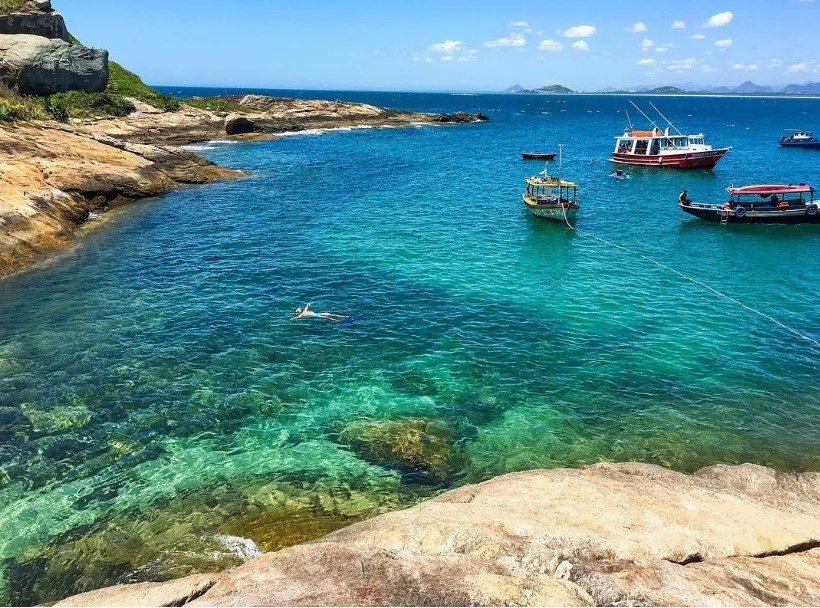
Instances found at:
x=628 y=119
x=665 y=118
x=560 y=162
x=652 y=122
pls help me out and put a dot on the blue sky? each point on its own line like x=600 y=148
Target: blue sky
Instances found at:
x=454 y=45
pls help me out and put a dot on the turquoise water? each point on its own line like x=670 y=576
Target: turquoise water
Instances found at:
x=155 y=397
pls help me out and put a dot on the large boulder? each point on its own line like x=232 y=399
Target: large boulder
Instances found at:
x=610 y=534
x=40 y=66
x=46 y=24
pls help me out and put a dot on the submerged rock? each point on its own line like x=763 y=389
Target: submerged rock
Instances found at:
x=36 y=65
x=58 y=418
x=409 y=445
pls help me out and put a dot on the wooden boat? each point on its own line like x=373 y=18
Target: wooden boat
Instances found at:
x=537 y=155
x=551 y=197
x=800 y=139
x=758 y=204
x=667 y=148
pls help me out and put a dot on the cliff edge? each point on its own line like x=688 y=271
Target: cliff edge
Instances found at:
x=609 y=534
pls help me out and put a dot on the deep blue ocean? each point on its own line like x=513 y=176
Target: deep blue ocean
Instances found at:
x=158 y=406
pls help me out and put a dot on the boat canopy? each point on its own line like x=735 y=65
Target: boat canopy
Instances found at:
x=770 y=189
x=550 y=182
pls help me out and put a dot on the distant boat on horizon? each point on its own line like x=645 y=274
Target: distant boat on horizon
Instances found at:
x=799 y=139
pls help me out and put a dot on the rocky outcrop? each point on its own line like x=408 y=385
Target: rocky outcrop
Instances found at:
x=52 y=177
x=461 y=117
x=40 y=66
x=238 y=125
x=609 y=534
x=48 y=24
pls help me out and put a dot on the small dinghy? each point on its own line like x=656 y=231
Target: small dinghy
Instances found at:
x=537 y=155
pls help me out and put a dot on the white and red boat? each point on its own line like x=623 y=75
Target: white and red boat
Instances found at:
x=664 y=148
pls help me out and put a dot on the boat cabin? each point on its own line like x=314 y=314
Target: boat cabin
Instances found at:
x=771 y=195
x=550 y=190
x=801 y=136
x=655 y=141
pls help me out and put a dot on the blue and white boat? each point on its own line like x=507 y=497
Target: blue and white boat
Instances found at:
x=800 y=139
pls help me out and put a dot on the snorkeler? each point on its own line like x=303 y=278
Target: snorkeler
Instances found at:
x=306 y=313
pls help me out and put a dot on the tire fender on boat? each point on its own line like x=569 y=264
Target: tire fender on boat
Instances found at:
x=811 y=209
x=740 y=212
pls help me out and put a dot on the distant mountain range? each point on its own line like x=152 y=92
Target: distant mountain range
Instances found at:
x=745 y=88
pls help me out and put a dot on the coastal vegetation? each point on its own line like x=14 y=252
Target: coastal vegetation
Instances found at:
x=7 y=6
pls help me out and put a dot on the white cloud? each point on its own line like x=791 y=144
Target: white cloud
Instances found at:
x=719 y=20
x=448 y=46
x=514 y=39
x=647 y=62
x=679 y=25
x=580 y=31
x=698 y=37
x=751 y=67
x=709 y=69
x=580 y=45
x=662 y=48
x=453 y=50
x=774 y=63
x=680 y=65
x=519 y=24
x=647 y=44
x=638 y=28
x=797 y=68
x=723 y=44
x=550 y=45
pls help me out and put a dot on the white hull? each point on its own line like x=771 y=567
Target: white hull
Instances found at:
x=553 y=213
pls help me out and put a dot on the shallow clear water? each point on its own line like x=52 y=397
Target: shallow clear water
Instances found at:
x=154 y=394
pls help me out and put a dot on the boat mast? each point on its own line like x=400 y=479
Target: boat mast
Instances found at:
x=652 y=122
x=628 y=119
x=665 y=118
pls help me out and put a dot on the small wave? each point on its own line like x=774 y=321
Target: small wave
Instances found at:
x=198 y=147
x=222 y=141
x=242 y=547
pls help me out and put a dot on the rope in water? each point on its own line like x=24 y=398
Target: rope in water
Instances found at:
x=691 y=279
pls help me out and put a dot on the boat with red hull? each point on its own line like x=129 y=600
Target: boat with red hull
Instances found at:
x=668 y=148
x=758 y=204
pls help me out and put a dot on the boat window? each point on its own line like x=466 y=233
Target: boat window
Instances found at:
x=641 y=146
x=680 y=142
x=623 y=146
x=655 y=149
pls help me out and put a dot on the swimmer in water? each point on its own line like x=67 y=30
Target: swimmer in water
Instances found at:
x=306 y=313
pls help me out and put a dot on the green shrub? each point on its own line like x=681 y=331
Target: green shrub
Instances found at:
x=80 y=104
x=57 y=107
x=11 y=111
x=214 y=104
x=14 y=106
x=8 y=6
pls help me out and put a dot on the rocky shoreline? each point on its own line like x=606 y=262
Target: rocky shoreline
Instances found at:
x=53 y=176
x=610 y=534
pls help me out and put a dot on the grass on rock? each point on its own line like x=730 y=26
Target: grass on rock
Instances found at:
x=8 y=6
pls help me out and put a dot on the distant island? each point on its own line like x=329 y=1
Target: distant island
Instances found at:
x=745 y=88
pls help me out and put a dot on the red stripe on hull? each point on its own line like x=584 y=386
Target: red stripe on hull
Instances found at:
x=691 y=160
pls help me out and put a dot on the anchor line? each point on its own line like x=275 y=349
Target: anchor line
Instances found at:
x=685 y=276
